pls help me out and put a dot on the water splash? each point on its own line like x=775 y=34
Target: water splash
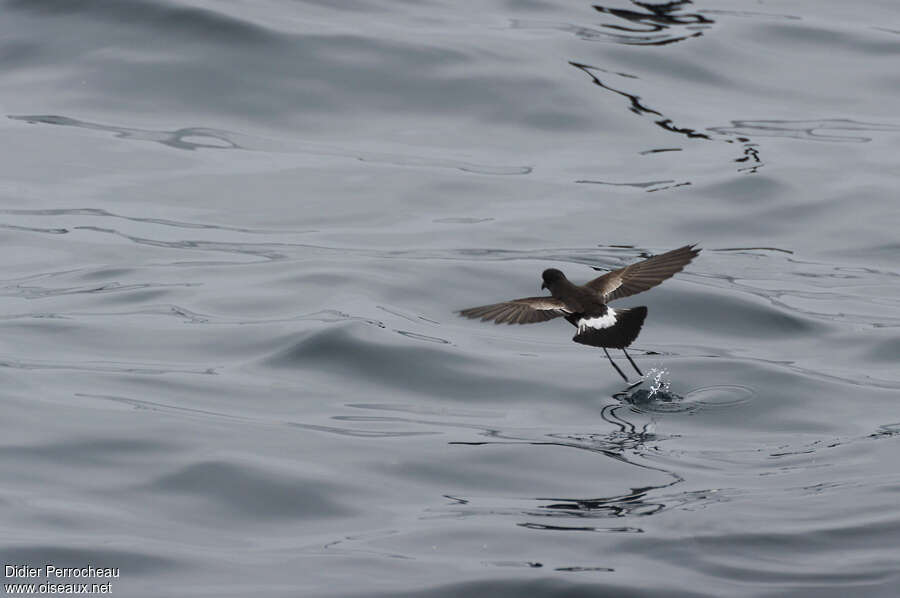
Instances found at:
x=659 y=381
x=656 y=395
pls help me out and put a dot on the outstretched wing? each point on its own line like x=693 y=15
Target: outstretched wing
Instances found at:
x=527 y=310
x=641 y=276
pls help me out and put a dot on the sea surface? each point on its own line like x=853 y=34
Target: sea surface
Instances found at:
x=235 y=234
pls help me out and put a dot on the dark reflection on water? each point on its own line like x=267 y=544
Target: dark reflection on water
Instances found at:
x=655 y=22
x=638 y=106
x=750 y=156
x=650 y=25
x=627 y=439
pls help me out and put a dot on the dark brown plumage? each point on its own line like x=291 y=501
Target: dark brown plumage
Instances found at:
x=644 y=275
x=585 y=306
x=528 y=310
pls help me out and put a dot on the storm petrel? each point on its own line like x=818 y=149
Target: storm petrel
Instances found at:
x=585 y=306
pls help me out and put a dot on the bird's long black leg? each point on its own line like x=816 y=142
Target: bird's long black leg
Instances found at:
x=633 y=364
x=624 y=377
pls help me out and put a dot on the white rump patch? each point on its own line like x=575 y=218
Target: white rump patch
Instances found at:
x=605 y=321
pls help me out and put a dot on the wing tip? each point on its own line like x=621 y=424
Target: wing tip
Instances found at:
x=690 y=250
x=470 y=312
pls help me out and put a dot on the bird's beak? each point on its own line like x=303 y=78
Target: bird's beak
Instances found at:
x=544 y=286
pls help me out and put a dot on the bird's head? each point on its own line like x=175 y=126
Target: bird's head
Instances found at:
x=551 y=278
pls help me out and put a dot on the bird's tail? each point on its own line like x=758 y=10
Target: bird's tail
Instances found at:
x=620 y=335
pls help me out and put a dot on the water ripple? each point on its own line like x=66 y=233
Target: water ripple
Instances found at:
x=102 y=367
x=807 y=130
x=194 y=138
x=35 y=292
x=107 y=214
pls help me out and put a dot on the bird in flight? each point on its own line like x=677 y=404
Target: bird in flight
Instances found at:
x=585 y=306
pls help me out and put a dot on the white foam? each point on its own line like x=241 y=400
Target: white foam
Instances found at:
x=598 y=323
x=659 y=381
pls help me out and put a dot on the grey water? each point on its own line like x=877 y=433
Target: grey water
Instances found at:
x=234 y=236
